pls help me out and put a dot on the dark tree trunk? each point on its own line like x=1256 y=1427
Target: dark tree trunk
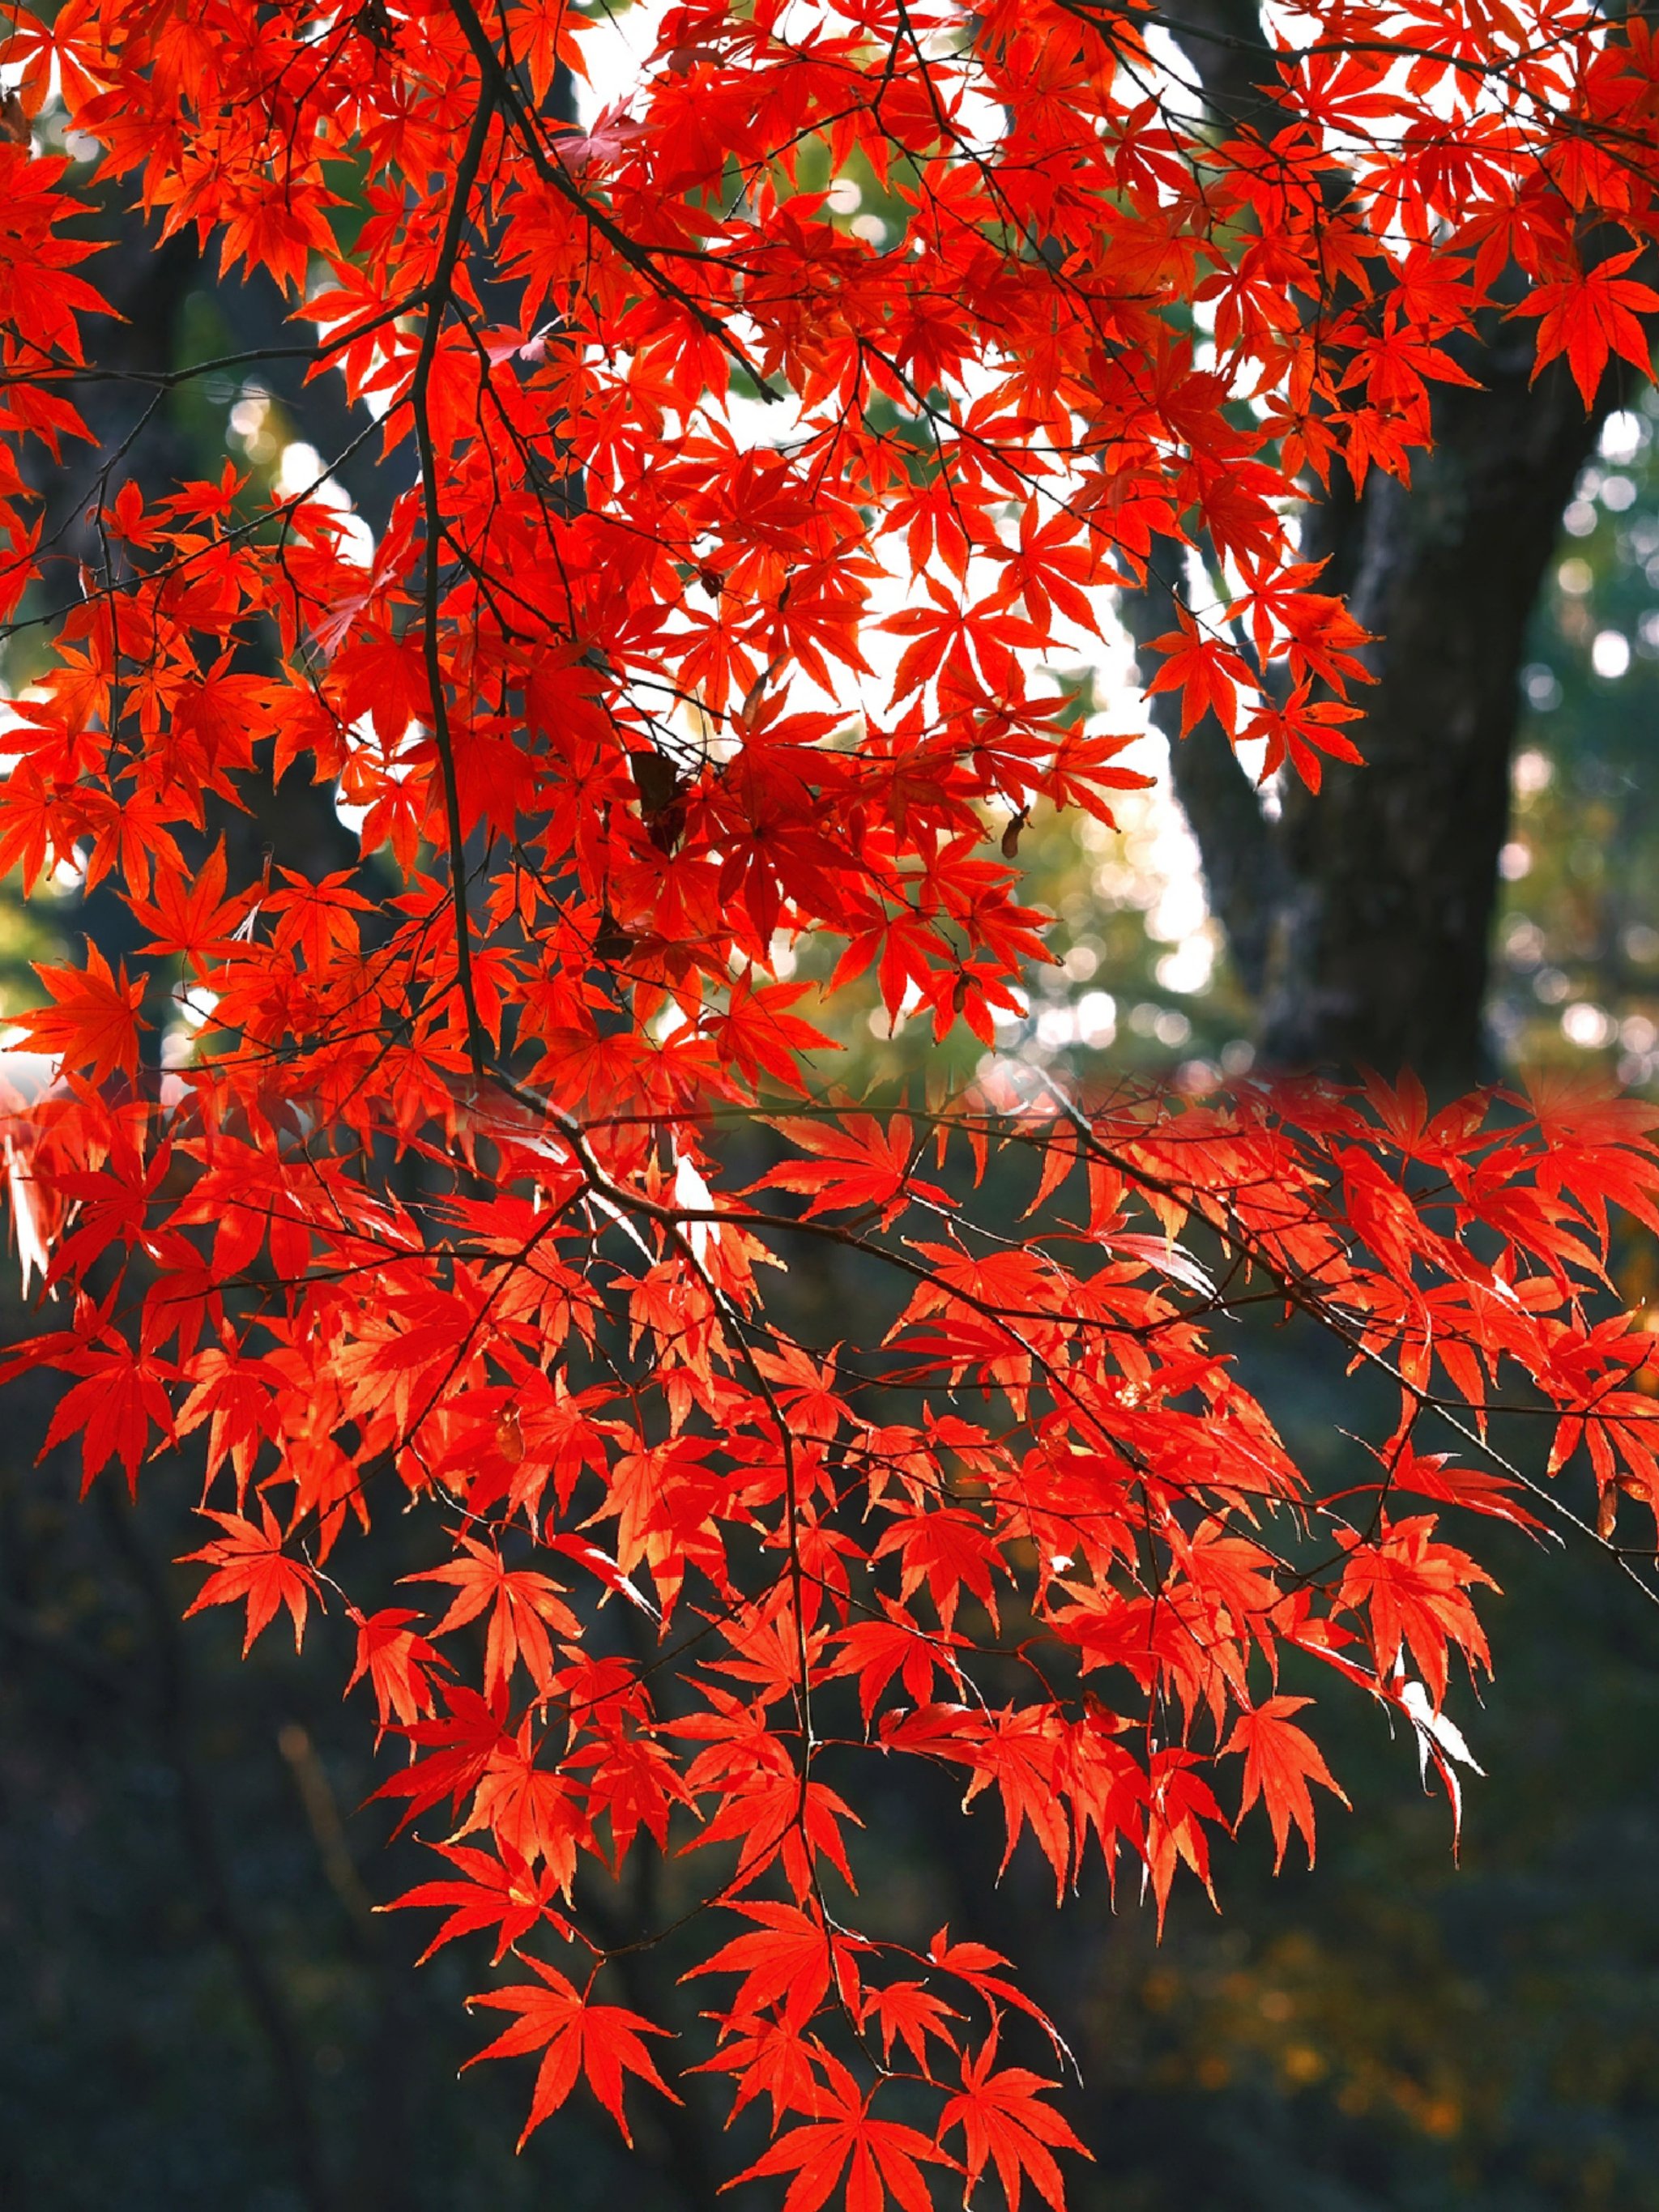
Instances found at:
x=1359 y=920
x=1379 y=950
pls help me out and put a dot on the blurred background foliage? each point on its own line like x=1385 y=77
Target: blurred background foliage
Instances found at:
x=200 y=2007
x=1578 y=971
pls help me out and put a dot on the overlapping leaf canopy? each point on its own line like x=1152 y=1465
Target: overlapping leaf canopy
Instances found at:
x=441 y=1208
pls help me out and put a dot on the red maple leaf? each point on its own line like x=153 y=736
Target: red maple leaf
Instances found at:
x=396 y=1660
x=523 y=1606
x=1281 y=1760
x=1589 y=314
x=505 y=1894
x=249 y=1562
x=190 y=914
x=875 y=2157
x=578 y=2039
x=785 y=1960
x=1003 y=2120
x=1205 y=671
x=94 y=1028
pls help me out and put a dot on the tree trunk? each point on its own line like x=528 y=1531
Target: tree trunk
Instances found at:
x=1358 y=919
x=1380 y=944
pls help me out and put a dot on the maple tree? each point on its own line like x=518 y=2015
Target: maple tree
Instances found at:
x=455 y=1202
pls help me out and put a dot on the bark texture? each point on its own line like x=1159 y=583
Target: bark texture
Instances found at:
x=1378 y=949
x=1359 y=919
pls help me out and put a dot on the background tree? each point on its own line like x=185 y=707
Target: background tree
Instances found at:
x=1360 y=915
